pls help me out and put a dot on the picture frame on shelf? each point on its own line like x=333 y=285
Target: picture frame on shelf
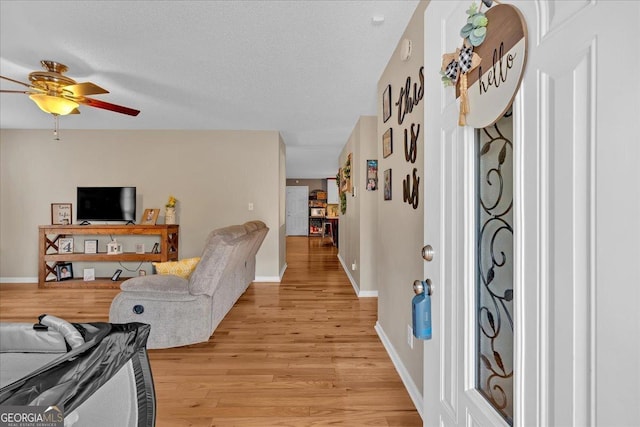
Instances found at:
x=150 y=216
x=91 y=246
x=65 y=245
x=139 y=248
x=387 y=143
x=386 y=104
x=61 y=213
x=89 y=274
x=116 y=275
x=64 y=271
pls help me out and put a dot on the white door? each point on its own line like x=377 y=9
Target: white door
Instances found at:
x=297 y=210
x=575 y=222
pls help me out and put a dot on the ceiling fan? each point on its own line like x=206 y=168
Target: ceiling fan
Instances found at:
x=57 y=94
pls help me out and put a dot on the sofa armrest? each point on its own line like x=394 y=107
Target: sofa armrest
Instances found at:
x=161 y=283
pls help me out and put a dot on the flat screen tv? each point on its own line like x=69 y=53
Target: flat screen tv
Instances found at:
x=106 y=204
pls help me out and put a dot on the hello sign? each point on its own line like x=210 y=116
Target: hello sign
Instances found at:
x=495 y=69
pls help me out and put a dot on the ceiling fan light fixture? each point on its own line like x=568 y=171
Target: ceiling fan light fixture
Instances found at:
x=54 y=104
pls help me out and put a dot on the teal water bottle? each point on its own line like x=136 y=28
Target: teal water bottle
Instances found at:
x=421 y=310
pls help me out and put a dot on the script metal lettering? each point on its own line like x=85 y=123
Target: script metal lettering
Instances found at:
x=406 y=102
x=411 y=194
x=411 y=148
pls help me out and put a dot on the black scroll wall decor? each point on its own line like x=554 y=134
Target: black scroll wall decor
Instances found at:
x=409 y=97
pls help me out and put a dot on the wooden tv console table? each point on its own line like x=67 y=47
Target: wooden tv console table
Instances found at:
x=49 y=257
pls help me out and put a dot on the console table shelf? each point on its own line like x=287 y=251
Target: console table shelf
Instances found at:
x=49 y=257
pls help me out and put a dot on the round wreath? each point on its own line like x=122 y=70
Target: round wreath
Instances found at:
x=456 y=65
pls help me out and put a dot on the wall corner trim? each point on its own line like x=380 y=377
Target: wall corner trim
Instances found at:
x=356 y=287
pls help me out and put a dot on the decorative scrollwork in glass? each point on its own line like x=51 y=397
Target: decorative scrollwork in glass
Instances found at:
x=494 y=358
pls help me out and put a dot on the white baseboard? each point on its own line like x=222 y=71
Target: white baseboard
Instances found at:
x=284 y=268
x=356 y=287
x=273 y=279
x=351 y=279
x=368 y=294
x=18 y=280
x=411 y=387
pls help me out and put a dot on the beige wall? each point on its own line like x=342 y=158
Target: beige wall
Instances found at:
x=213 y=174
x=400 y=227
x=349 y=222
x=357 y=229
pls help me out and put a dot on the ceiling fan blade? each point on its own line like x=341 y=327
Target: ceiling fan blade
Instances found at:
x=84 y=89
x=108 y=106
x=22 y=83
x=18 y=91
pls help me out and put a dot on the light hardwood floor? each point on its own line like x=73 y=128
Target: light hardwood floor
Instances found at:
x=300 y=353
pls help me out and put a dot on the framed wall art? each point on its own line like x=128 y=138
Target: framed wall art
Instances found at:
x=387 y=184
x=345 y=176
x=387 y=143
x=372 y=175
x=386 y=104
x=61 y=213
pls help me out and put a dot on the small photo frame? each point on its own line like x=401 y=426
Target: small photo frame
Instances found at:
x=150 y=216
x=61 y=213
x=91 y=246
x=65 y=245
x=139 y=248
x=64 y=271
x=387 y=143
x=116 y=275
x=89 y=274
x=386 y=104
x=387 y=184
x=372 y=175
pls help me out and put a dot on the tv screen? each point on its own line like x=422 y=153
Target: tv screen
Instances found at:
x=106 y=204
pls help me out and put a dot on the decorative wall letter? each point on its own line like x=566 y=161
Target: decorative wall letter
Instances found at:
x=411 y=194
x=411 y=148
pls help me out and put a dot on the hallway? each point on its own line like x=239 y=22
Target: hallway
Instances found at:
x=300 y=353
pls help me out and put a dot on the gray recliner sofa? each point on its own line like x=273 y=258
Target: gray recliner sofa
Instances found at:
x=181 y=311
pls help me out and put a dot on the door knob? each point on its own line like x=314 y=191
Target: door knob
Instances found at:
x=420 y=286
x=427 y=253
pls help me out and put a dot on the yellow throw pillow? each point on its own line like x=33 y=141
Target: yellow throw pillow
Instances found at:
x=182 y=268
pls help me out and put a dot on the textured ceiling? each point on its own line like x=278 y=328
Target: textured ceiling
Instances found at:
x=308 y=69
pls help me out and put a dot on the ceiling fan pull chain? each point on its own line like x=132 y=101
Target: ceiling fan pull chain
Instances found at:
x=56 y=137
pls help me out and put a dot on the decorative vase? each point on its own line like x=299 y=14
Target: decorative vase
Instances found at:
x=170 y=215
